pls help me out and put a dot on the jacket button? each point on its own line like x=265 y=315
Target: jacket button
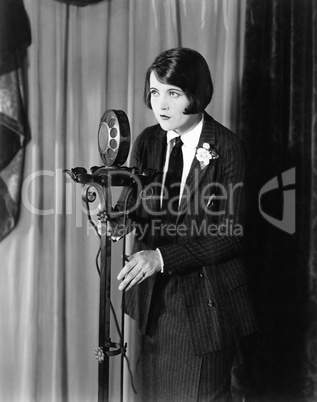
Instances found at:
x=201 y=275
x=169 y=272
x=211 y=303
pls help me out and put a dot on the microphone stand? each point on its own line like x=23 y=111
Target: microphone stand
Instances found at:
x=101 y=179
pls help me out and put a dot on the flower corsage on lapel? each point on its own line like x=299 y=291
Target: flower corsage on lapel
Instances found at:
x=205 y=154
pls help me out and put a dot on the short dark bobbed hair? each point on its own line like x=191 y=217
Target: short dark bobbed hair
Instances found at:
x=186 y=69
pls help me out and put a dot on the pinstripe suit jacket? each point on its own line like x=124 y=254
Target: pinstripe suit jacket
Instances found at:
x=204 y=254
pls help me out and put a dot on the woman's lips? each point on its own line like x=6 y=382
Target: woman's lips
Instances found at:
x=164 y=117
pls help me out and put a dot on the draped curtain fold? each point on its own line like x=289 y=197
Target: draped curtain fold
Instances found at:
x=278 y=124
x=82 y=61
x=15 y=37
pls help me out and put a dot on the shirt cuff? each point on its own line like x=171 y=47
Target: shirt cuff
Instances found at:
x=162 y=261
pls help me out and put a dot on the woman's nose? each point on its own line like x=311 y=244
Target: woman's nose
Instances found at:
x=163 y=103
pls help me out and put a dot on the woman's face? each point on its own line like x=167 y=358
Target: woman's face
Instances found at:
x=168 y=104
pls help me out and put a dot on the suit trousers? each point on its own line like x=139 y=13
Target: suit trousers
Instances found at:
x=167 y=369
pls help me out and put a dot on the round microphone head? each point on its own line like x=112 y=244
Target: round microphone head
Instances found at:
x=114 y=137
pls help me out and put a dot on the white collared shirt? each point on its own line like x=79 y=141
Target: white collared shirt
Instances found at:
x=190 y=142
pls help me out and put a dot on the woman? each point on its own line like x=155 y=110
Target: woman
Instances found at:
x=185 y=283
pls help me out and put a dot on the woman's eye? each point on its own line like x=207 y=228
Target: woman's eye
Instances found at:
x=153 y=92
x=174 y=94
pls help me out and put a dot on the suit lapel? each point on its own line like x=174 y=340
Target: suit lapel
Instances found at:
x=196 y=173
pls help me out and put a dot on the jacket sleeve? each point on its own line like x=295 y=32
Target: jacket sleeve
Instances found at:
x=214 y=246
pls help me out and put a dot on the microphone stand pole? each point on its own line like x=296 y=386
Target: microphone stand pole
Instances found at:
x=101 y=181
x=104 y=316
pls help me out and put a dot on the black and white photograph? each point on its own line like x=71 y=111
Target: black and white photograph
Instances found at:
x=158 y=211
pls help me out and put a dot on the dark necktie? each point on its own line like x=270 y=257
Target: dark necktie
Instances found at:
x=174 y=177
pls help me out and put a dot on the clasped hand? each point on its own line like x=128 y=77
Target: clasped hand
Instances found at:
x=140 y=266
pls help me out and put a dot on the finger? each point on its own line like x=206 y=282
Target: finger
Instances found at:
x=126 y=269
x=131 y=280
x=128 y=274
x=131 y=263
x=137 y=280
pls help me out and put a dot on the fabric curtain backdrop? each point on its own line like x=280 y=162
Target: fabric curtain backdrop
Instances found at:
x=82 y=61
x=15 y=37
x=278 y=125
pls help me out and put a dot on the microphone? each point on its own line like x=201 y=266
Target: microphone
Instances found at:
x=114 y=137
